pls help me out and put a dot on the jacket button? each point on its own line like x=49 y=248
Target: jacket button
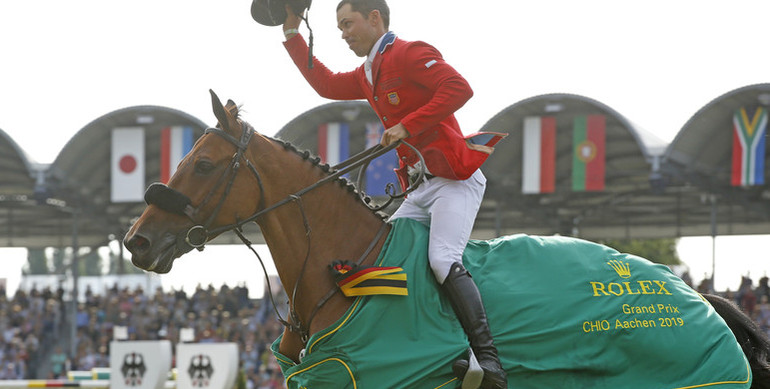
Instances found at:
x=376 y=98
x=384 y=118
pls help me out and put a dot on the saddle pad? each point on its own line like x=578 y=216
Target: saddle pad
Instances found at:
x=564 y=312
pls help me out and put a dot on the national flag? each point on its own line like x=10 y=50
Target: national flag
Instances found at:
x=333 y=142
x=379 y=173
x=749 y=147
x=588 y=135
x=538 y=173
x=127 y=160
x=175 y=143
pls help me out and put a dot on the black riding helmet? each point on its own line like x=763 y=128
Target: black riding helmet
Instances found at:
x=273 y=12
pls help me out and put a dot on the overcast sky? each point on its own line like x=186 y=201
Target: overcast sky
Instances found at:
x=66 y=63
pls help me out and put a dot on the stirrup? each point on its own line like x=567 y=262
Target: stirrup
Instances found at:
x=474 y=375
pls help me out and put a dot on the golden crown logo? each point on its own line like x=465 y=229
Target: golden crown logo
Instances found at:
x=622 y=268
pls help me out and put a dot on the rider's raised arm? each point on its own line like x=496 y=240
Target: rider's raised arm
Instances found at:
x=335 y=86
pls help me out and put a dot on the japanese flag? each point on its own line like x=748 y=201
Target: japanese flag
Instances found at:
x=127 y=162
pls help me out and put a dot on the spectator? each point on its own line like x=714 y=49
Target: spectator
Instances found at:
x=746 y=298
x=763 y=314
x=58 y=362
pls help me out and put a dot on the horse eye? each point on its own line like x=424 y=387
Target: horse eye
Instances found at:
x=204 y=167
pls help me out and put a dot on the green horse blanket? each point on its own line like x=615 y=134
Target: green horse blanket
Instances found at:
x=564 y=312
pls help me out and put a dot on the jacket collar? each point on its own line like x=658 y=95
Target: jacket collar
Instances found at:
x=386 y=41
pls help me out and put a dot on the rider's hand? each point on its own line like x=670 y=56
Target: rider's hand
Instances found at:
x=291 y=23
x=394 y=134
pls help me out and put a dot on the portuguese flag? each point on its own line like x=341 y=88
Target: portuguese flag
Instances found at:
x=588 y=153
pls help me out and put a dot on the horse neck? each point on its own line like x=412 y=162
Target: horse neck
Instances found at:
x=326 y=224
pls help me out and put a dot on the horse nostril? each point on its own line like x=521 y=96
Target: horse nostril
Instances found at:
x=137 y=244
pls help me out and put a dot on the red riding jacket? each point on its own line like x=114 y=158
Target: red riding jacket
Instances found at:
x=412 y=86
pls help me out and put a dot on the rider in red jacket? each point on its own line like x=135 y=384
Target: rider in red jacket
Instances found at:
x=415 y=94
x=414 y=87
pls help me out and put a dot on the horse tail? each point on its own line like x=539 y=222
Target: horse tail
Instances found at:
x=752 y=339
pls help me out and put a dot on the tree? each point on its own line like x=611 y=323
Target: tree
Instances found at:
x=120 y=265
x=37 y=262
x=59 y=265
x=90 y=264
x=661 y=251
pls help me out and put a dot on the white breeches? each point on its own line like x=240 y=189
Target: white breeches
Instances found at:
x=448 y=208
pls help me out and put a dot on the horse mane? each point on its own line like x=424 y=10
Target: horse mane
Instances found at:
x=752 y=339
x=343 y=182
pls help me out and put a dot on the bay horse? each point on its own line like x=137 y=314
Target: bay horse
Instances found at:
x=609 y=335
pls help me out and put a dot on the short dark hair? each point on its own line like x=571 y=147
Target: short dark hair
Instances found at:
x=364 y=7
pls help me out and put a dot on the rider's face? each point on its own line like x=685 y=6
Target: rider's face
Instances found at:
x=359 y=32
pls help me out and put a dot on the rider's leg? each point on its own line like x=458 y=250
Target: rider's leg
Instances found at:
x=453 y=211
x=467 y=304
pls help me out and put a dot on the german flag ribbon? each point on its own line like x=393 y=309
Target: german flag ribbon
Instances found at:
x=356 y=280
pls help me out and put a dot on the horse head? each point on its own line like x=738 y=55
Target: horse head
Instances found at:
x=205 y=195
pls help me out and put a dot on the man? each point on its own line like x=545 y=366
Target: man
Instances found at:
x=415 y=94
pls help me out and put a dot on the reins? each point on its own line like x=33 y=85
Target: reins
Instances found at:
x=198 y=235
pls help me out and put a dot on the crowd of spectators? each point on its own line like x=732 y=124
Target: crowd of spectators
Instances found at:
x=34 y=326
x=29 y=324
x=753 y=301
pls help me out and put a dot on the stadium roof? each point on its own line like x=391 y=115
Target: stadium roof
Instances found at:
x=651 y=189
x=77 y=184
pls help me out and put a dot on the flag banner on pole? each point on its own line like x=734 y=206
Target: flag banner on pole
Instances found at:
x=175 y=143
x=538 y=166
x=749 y=148
x=127 y=161
x=379 y=173
x=588 y=135
x=333 y=142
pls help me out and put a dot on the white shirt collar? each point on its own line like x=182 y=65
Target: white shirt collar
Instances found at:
x=373 y=52
x=370 y=58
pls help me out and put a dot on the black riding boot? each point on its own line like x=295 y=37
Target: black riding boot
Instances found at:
x=466 y=302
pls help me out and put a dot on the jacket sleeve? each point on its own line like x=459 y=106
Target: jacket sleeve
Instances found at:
x=336 y=86
x=451 y=91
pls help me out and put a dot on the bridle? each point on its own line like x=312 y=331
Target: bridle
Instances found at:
x=196 y=237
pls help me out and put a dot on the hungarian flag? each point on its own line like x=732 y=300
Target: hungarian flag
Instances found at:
x=749 y=147
x=127 y=160
x=538 y=168
x=333 y=142
x=379 y=173
x=588 y=153
x=175 y=143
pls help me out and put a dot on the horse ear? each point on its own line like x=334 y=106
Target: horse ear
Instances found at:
x=226 y=116
x=219 y=111
x=232 y=108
